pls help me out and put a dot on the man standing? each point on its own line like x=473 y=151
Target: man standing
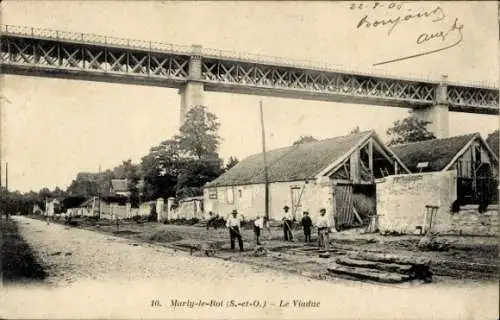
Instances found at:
x=258 y=225
x=234 y=223
x=287 y=224
x=306 y=225
x=323 y=225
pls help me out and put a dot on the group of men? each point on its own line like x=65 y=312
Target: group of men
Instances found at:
x=323 y=224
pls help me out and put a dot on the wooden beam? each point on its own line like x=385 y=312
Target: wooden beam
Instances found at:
x=355 y=167
x=346 y=171
x=370 y=159
x=357 y=215
x=379 y=149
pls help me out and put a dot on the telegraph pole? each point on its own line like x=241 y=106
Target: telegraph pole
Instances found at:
x=3 y=208
x=6 y=189
x=99 y=191
x=266 y=177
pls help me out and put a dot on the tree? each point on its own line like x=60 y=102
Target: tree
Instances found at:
x=89 y=184
x=197 y=143
x=58 y=193
x=304 y=139
x=194 y=174
x=44 y=194
x=409 y=129
x=198 y=135
x=231 y=162
x=160 y=168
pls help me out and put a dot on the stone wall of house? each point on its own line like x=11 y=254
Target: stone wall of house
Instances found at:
x=249 y=200
x=401 y=201
x=468 y=221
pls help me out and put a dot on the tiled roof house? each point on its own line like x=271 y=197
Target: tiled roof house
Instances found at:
x=304 y=177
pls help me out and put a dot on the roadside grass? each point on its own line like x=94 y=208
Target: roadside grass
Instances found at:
x=18 y=261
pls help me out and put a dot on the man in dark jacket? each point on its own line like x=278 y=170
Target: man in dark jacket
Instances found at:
x=306 y=224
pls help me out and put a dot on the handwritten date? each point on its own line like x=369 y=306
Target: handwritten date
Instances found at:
x=375 y=5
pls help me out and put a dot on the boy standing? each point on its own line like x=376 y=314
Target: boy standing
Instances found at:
x=258 y=225
x=306 y=224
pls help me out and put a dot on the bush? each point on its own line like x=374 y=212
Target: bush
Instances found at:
x=153 y=216
x=216 y=222
x=247 y=224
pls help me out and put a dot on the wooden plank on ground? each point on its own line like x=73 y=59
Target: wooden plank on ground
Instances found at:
x=389 y=267
x=368 y=274
x=390 y=258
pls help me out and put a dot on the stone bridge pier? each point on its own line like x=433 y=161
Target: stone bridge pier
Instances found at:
x=192 y=93
x=438 y=114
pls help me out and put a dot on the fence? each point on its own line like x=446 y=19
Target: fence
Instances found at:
x=186 y=208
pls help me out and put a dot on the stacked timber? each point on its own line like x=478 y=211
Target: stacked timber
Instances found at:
x=382 y=267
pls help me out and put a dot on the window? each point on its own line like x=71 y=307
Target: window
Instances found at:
x=230 y=195
x=212 y=194
x=240 y=193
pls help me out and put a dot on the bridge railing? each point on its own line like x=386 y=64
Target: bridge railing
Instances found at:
x=221 y=54
x=306 y=64
x=321 y=66
x=94 y=39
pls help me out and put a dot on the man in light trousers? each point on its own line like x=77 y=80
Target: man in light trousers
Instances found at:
x=323 y=225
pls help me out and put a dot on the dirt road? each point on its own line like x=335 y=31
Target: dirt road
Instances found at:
x=97 y=275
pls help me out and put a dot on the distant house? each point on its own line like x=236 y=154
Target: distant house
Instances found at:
x=88 y=208
x=493 y=141
x=51 y=206
x=119 y=187
x=474 y=161
x=325 y=174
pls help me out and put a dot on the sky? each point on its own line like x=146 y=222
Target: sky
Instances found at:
x=52 y=129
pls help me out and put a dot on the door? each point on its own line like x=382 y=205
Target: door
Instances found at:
x=346 y=216
x=485 y=185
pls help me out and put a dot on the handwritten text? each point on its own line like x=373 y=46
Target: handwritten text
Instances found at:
x=396 y=14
